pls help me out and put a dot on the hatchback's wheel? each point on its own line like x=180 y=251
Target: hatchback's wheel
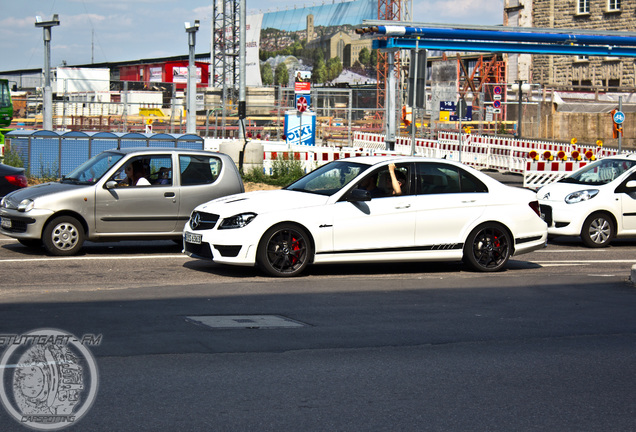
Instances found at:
x=488 y=247
x=284 y=250
x=63 y=235
x=598 y=230
x=31 y=243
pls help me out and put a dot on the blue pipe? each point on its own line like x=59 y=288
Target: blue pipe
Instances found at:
x=504 y=47
x=492 y=35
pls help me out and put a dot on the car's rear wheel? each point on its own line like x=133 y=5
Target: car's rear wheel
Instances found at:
x=598 y=230
x=488 y=247
x=284 y=250
x=63 y=235
x=31 y=243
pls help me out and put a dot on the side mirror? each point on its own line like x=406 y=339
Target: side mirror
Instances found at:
x=631 y=184
x=357 y=195
x=111 y=184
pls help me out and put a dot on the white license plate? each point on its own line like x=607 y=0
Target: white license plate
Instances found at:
x=6 y=223
x=193 y=238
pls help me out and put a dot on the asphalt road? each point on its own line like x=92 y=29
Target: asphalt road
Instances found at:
x=549 y=344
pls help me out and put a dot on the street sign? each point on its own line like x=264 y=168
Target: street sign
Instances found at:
x=497 y=90
x=497 y=111
x=496 y=104
x=301 y=104
x=619 y=117
x=497 y=97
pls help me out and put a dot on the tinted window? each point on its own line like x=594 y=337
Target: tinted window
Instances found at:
x=198 y=169
x=470 y=183
x=434 y=178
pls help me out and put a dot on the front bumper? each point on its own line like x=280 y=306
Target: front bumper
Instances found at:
x=23 y=225
x=563 y=219
x=224 y=248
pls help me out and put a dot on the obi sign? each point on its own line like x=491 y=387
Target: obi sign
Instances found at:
x=300 y=128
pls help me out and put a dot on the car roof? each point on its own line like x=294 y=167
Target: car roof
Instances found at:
x=621 y=156
x=143 y=150
x=375 y=160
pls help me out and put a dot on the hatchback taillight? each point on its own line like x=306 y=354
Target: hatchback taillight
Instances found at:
x=534 y=205
x=19 y=180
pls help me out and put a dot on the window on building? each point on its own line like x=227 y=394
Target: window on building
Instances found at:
x=583 y=6
x=582 y=58
x=613 y=5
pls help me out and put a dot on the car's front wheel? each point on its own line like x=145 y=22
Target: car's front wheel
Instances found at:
x=488 y=247
x=63 y=235
x=284 y=250
x=598 y=230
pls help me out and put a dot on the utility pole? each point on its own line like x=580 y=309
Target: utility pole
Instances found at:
x=191 y=105
x=47 y=95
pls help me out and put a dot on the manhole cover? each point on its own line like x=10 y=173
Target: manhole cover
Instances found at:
x=245 y=321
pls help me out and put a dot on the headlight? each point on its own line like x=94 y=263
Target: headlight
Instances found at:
x=237 y=221
x=580 y=196
x=25 y=205
x=2 y=202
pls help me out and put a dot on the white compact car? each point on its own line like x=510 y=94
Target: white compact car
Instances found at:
x=597 y=202
x=351 y=210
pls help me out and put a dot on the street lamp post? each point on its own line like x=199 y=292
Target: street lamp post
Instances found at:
x=47 y=95
x=520 y=87
x=463 y=101
x=191 y=101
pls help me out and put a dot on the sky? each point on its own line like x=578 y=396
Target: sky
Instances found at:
x=98 y=31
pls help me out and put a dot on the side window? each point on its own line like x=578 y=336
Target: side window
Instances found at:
x=160 y=168
x=133 y=172
x=147 y=170
x=379 y=183
x=434 y=178
x=470 y=183
x=198 y=169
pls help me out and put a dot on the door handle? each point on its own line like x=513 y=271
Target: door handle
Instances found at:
x=468 y=201
x=403 y=206
x=169 y=194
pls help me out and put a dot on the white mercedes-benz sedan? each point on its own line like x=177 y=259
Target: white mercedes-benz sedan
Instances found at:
x=371 y=209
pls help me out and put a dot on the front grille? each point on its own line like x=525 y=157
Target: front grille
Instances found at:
x=17 y=226
x=203 y=221
x=546 y=214
x=201 y=250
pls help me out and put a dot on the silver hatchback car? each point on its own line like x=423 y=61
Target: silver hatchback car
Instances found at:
x=140 y=194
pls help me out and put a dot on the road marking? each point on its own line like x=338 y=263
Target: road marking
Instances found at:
x=94 y=258
x=569 y=250
x=586 y=261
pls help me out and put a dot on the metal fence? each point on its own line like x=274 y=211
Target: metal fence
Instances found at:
x=49 y=154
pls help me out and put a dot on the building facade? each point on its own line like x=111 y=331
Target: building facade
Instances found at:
x=577 y=72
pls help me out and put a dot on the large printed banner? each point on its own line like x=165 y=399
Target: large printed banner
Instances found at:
x=277 y=31
x=252 y=61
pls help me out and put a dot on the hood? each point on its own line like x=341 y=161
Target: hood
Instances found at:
x=262 y=202
x=558 y=191
x=41 y=190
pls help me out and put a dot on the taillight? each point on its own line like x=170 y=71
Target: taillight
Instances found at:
x=19 y=180
x=534 y=205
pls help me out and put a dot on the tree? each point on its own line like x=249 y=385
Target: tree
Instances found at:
x=334 y=68
x=364 y=57
x=267 y=75
x=281 y=76
x=319 y=73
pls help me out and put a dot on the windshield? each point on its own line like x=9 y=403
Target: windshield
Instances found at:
x=600 y=172
x=328 y=179
x=93 y=169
